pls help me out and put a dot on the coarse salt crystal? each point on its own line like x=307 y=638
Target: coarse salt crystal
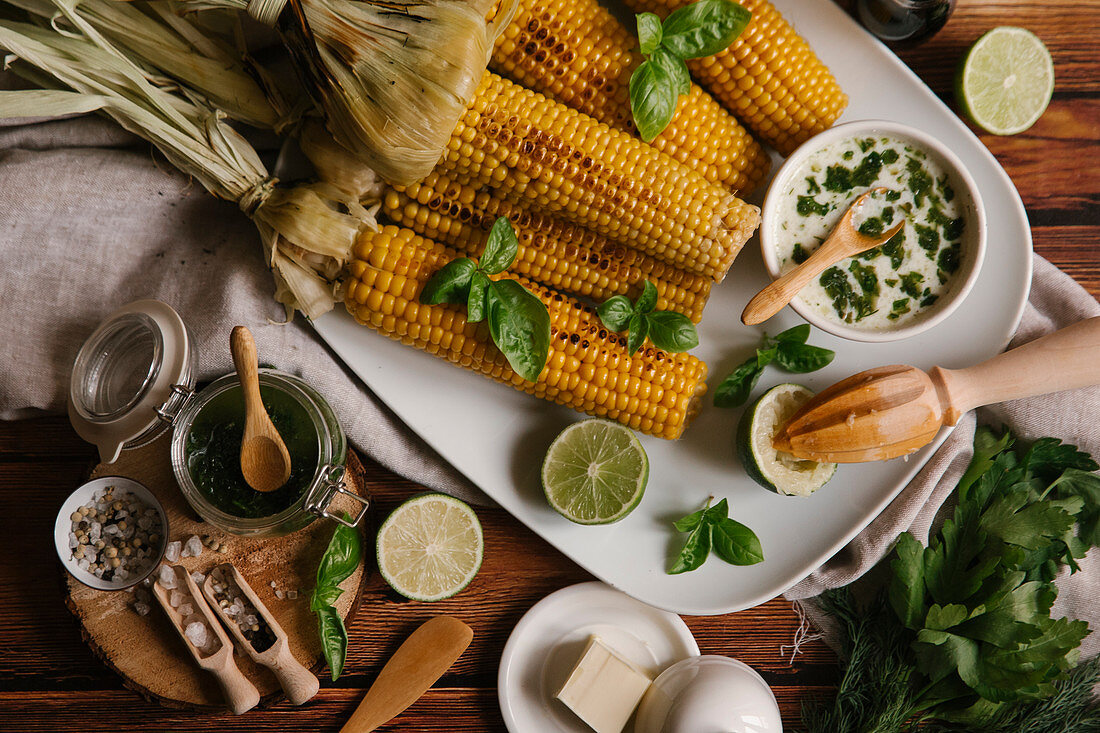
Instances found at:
x=193 y=547
x=186 y=609
x=175 y=598
x=196 y=633
x=198 y=577
x=279 y=594
x=172 y=551
x=167 y=577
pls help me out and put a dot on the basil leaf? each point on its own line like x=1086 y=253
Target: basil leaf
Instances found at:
x=647 y=301
x=719 y=511
x=334 y=639
x=797 y=334
x=690 y=522
x=520 y=326
x=450 y=283
x=766 y=356
x=695 y=551
x=802 y=358
x=341 y=558
x=672 y=331
x=324 y=595
x=639 y=329
x=735 y=389
x=475 y=303
x=704 y=28
x=649 y=32
x=615 y=312
x=500 y=249
x=653 y=97
x=735 y=543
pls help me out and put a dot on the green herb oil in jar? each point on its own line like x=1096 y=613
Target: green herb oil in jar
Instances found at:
x=214 y=453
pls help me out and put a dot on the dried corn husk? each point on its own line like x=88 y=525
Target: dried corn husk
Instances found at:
x=307 y=230
x=392 y=77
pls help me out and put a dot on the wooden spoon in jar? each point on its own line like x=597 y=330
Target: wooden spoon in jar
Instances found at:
x=265 y=461
x=845 y=241
x=892 y=411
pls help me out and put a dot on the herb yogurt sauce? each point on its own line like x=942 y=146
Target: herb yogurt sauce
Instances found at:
x=888 y=286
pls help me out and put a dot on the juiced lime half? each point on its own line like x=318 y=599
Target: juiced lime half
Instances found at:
x=1005 y=81
x=772 y=469
x=430 y=547
x=595 y=472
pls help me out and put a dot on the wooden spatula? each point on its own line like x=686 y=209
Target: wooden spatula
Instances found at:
x=415 y=666
x=892 y=411
x=845 y=241
x=265 y=461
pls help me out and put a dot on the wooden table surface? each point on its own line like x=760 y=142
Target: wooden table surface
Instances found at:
x=49 y=680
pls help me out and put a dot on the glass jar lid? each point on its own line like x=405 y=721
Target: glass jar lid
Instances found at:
x=129 y=373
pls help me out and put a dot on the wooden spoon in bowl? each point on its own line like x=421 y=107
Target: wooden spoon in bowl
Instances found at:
x=892 y=411
x=845 y=241
x=265 y=461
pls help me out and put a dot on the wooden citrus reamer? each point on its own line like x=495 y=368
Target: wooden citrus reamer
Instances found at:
x=892 y=411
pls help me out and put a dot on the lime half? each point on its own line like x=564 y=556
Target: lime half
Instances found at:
x=1005 y=81
x=772 y=469
x=430 y=547
x=595 y=472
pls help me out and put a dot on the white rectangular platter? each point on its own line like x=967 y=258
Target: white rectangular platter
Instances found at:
x=497 y=436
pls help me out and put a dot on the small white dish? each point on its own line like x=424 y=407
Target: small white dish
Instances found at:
x=83 y=495
x=551 y=636
x=973 y=240
x=709 y=694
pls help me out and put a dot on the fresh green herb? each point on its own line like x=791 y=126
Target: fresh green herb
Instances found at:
x=948 y=260
x=519 y=322
x=954 y=229
x=866 y=277
x=920 y=183
x=928 y=238
x=911 y=284
x=712 y=529
x=928 y=300
x=668 y=330
x=788 y=350
x=890 y=156
x=799 y=254
x=838 y=179
x=341 y=558
x=945 y=188
x=871 y=227
x=893 y=195
x=848 y=154
x=865 y=144
x=894 y=249
x=847 y=304
x=867 y=170
x=900 y=308
x=811 y=186
x=963 y=633
x=808 y=205
x=700 y=29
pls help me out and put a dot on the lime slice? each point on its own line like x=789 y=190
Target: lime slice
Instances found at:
x=430 y=547
x=772 y=469
x=595 y=472
x=1005 y=81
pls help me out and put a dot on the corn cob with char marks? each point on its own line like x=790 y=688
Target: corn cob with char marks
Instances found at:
x=557 y=253
x=588 y=369
x=769 y=77
x=537 y=151
x=576 y=52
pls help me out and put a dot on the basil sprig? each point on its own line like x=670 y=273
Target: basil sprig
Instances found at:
x=668 y=330
x=340 y=560
x=712 y=529
x=519 y=322
x=701 y=29
x=788 y=350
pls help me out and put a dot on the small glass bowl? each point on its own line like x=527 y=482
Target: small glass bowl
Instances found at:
x=325 y=485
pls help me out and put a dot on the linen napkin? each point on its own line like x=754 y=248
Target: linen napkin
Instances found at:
x=1074 y=417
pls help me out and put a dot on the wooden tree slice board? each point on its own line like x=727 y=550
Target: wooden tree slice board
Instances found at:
x=149 y=654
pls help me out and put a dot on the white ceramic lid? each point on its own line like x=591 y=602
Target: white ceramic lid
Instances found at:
x=125 y=372
x=550 y=638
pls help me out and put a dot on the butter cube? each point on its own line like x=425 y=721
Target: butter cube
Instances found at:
x=603 y=689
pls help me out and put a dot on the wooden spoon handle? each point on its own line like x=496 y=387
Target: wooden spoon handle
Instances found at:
x=240 y=693
x=246 y=360
x=297 y=682
x=415 y=666
x=775 y=296
x=1065 y=359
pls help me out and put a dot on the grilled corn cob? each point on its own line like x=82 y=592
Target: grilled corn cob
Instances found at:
x=538 y=151
x=576 y=52
x=769 y=77
x=564 y=256
x=588 y=369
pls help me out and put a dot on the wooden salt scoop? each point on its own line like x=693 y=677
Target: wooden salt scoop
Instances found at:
x=892 y=411
x=415 y=666
x=845 y=241
x=265 y=461
x=240 y=693
x=297 y=682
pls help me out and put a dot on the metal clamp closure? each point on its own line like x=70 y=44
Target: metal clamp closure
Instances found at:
x=332 y=485
x=170 y=410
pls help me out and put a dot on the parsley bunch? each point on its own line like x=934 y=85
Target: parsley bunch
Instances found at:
x=963 y=633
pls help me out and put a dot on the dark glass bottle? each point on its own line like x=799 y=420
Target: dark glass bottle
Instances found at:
x=902 y=23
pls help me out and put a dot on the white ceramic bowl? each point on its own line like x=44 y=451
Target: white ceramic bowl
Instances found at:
x=973 y=241
x=63 y=524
